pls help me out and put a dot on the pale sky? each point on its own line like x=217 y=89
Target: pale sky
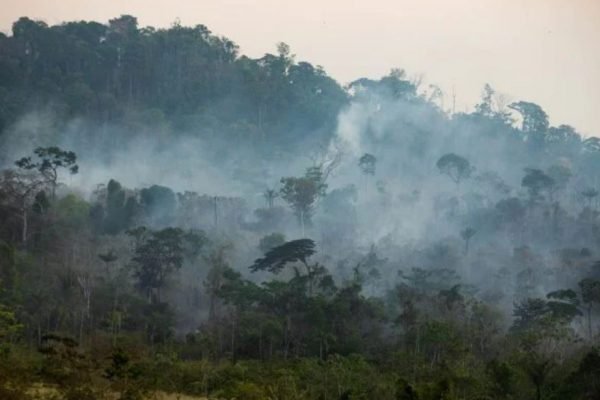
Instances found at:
x=545 y=51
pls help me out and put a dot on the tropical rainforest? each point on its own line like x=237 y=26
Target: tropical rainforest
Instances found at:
x=177 y=218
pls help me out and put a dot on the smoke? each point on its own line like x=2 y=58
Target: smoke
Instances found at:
x=141 y=157
x=407 y=211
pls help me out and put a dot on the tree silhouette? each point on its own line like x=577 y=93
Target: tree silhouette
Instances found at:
x=367 y=164
x=160 y=254
x=49 y=161
x=302 y=194
x=466 y=235
x=22 y=189
x=270 y=195
x=271 y=241
x=590 y=295
x=536 y=182
x=277 y=258
x=455 y=167
x=290 y=252
x=535 y=119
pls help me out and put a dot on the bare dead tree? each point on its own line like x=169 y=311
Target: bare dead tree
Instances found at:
x=21 y=189
x=86 y=286
x=327 y=160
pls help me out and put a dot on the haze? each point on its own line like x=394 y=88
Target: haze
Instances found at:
x=276 y=200
x=541 y=51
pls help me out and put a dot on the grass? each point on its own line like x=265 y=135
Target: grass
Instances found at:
x=173 y=396
x=42 y=392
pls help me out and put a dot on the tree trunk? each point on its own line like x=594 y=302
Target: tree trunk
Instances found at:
x=81 y=318
x=589 y=318
x=417 y=340
x=212 y=306
x=233 y=339
x=215 y=212
x=24 y=232
x=260 y=345
x=286 y=340
x=309 y=275
x=321 y=348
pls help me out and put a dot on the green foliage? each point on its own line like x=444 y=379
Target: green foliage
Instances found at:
x=73 y=211
x=534 y=119
x=10 y=328
x=66 y=365
x=17 y=367
x=302 y=193
x=271 y=241
x=583 y=382
x=159 y=203
x=502 y=379
x=590 y=290
x=536 y=182
x=455 y=167
x=277 y=258
x=119 y=209
x=530 y=314
x=123 y=70
x=432 y=280
x=8 y=268
x=49 y=161
x=159 y=254
x=410 y=325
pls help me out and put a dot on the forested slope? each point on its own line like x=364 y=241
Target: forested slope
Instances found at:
x=177 y=217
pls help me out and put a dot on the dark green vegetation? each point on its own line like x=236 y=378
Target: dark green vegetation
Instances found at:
x=185 y=78
x=400 y=252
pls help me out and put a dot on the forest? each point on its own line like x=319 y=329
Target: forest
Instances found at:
x=178 y=220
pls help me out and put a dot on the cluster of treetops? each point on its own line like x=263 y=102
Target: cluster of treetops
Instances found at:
x=87 y=310
x=186 y=77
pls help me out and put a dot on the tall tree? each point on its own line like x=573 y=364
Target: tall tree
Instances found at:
x=159 y=254
x=367 y=164
x=590 y=295
x=21 y=190
x=302 y=194
x=270 y=195
x=537 y=183
x=159 y=202
x=457 y=168
x=48 y=161
x=534 y=124
x=535 y=120
x=290 y=252
x=466 y=234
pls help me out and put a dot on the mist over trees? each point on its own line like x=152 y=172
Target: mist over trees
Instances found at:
x=176 y=216
x=183 y=78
